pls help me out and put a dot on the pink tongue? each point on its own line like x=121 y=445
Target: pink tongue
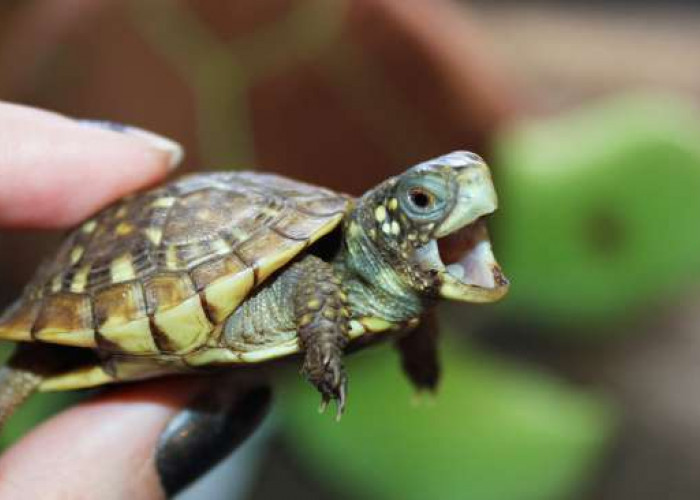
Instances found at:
x=454 y=247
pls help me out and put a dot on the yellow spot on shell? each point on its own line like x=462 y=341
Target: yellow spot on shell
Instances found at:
x=395 y=228
x=76 y=253
x=89 y=226
x=269 y=211
x=239 y=234
x=154 y=235
x=375 y=325
x=313 y=304
x=89 y=376
x=220 y=246
x=122 y=269
x=380 y=213
x=123 y=228
x=121 y=212
x=185 y=325
x=80 y=279
x=132 y=337
x=171 y=258
x=56 y=283
x=386 y=228
x=224 y=295
x=393 y=204
x=164 y=202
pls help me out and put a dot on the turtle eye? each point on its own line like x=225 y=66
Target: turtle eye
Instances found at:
x=421 y=198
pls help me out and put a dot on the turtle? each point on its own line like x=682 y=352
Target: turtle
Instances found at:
x=238 y=268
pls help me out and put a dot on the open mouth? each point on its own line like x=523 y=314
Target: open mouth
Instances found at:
x=466 y=265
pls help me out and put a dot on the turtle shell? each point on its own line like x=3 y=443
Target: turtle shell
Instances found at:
x=154 y=274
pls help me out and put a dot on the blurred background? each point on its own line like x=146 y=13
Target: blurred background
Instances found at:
x=585 y=382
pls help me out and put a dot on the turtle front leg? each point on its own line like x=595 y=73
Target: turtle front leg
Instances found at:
x=419 y=354
x=322 y=323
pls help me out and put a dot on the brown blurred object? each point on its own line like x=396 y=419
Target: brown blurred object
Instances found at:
x=337 y=92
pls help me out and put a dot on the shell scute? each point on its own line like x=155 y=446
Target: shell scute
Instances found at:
x=65 y=318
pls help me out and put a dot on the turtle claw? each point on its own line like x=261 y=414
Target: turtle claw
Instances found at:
x=325 y=371
x=323 y=406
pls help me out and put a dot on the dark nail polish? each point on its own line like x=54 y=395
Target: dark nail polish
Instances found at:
x=206 y=431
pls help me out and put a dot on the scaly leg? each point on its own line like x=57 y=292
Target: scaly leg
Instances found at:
x=419 y=354
x=322 y=319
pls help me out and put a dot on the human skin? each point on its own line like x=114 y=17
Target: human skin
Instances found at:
x=55 y=171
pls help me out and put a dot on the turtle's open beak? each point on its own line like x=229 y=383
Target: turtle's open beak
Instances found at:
x=461 y=252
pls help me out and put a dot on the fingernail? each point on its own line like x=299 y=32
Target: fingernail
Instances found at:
x=173 y=149
x=209 y=429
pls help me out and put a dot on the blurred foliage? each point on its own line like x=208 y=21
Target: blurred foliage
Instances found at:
x=496 y=431
x=602 y=208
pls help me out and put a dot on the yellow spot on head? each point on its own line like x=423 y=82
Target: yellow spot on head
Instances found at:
x=412 y=236
x=380 y=213
x=393 y=204
x=76 y=253
x=306 y=319
x=123 y=228
x=373 y=234
x=386 y=228
x=313 y=304
x=122 y=269
x=395 y=228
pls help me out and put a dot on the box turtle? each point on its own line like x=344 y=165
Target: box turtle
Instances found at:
x=237 y=268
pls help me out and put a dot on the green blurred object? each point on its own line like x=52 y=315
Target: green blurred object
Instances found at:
x=495 y=432
x=600 y=209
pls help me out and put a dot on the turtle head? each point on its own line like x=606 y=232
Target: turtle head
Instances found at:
x=429 y=225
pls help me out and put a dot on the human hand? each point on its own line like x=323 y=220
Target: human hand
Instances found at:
x=54 y=172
